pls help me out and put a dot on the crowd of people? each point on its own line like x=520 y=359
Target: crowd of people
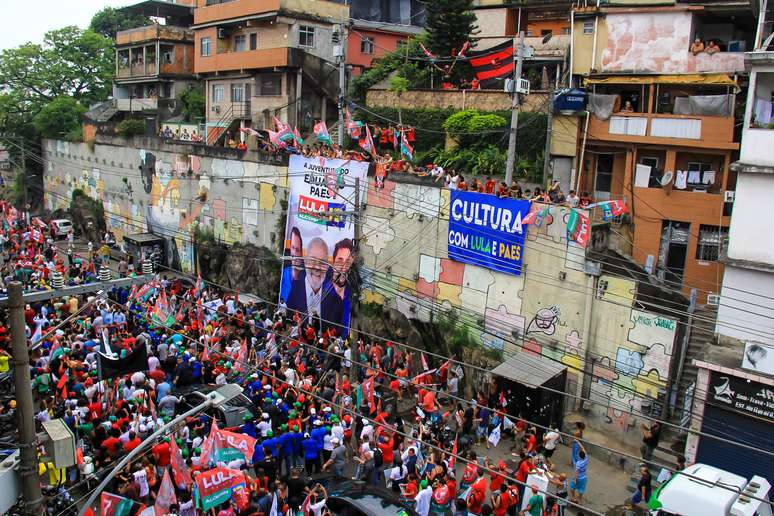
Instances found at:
x=307 y=417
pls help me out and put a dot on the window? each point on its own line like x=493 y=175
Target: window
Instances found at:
x=240 y=43
x=650 y=161
x=710 y=240
x=604 y=176
x=253 y=41
x=367 y=45
x=237 y=92
x=565 y=31
x=217 y=93
x=588 y=27
x=206 y=46
x=268 y=85
x=306 y=36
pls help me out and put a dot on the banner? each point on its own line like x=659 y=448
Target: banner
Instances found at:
x=487 y=231
x=233 y=445
x=114 y=505
x=216 y=485
x=319 y=238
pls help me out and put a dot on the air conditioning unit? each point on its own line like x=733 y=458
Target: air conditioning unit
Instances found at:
x=222 y=34
x=519 y=86
x=713 y=299
x=216 y=109
x=729 y=196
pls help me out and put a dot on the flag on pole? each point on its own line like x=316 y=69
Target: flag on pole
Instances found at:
x=179 y=468
x=424 y=361
x=494 y=436
x=198 y=286
x=297 y=136
x=114 y=505
x=166 y=495
x=354 y=129
x=453 y=458
x=426 y=51
x=283 y=130
x=321 y=132
x=161 y=314
x=493 y=63
x=367 y=143
x=405 y=147
x=463 y=49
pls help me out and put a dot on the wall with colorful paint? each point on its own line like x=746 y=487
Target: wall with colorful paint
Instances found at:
x=170 y=192
x=553 y=308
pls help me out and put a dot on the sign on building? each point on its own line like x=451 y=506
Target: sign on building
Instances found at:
x=751 y=398
x=758 y=357
x=485 y=230
x=319 y=238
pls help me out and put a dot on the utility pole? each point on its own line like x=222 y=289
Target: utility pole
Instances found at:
x=342 y=81
x=26 y=415
x=514 y=109
x=547 y=151
x=355 y=308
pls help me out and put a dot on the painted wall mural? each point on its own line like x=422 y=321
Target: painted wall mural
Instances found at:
x=406 y=265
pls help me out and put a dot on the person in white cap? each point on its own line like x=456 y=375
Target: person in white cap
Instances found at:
x=265 y=425
x=367 y=432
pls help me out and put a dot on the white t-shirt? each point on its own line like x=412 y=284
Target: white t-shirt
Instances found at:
x=423 y=501
x=550 y=440
x=142 y=481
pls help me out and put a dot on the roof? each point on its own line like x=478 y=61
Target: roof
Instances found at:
x=159 y=8
x=396 y=28
x=684 y=495
x=143 y=237
x=709 y=79
x=529 y=369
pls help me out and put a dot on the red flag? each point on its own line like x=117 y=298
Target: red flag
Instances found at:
x=166 y=496
x=367 y=143
x=368 y=391
x=179 y=468
x=426 y=51
x=424 y=361
x=242 y=442
x=306 y=504
x=114 y=505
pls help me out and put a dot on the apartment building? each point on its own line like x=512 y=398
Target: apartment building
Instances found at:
x=155 y=63
x=746 y=312
x=368 y=40
x=660 y=127
x=264 y=58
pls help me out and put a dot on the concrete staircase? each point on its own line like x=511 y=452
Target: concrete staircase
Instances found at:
x=702 y=335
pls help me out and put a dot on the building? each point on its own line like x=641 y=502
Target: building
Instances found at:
x=155 y=64
x=659 y=130
x=746 y=311
x=264 y=58
x=368 y=40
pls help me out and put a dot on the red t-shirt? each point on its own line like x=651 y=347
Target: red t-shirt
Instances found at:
x=111 y=444
x=162 y=454
x=132 y=444
x=490 y=186
x=524 y=469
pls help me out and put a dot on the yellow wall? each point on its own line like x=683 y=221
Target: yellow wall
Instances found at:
x=564 y=135
x=583 y=44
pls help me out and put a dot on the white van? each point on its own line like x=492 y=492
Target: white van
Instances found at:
x=710 y=491
x=60 y=228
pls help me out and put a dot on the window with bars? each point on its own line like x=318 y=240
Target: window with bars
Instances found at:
x=710 y=241
x=240 y=43
x=206 y=46
x=237 y=93
x=217 y=93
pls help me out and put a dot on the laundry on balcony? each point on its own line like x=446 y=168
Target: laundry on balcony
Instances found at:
x=602 y=105
x=763 y=112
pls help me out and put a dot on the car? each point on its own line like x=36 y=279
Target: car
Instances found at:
x=60 y=228
x=228 y=415
x=355 y=498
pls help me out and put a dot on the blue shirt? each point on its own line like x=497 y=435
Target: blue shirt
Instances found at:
x=318 y=434
x=582 y=467
x=286 y=443
x=311 y=449
x=272 y=445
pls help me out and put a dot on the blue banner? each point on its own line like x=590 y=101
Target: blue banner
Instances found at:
x=485 y=230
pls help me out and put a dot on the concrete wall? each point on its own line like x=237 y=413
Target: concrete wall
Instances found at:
x=406 y=265
x=145 y=189
x=482 y=100
x=746 y=311
x=748 y=223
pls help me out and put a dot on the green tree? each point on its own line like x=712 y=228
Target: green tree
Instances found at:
x=59 y=117
x=450 y=23
x=108 y=21
x=70 y=62
x=194 y=103
x=399 y=85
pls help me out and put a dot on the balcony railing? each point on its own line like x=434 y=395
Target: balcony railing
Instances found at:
x=690 y=130
x=133 y=105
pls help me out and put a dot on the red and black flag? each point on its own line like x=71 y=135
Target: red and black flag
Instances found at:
x=492 y=63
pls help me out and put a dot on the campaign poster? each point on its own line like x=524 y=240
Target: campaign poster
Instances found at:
x=485 y=230
x=319 y=239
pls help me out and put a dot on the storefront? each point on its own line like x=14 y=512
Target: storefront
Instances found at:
x=734 y=406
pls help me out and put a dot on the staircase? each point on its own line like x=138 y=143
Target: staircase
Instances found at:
x=702 y=335
x=662 y=456
x=236 y=111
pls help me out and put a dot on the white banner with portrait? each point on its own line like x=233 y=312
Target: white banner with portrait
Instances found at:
x=319 y=239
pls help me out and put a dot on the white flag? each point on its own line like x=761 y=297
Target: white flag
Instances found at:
x=494 y=437
x=274 y=511
x=507 y=423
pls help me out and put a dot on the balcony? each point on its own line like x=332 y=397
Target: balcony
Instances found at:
x=251 y=59
x=664 y=129
x=140 y=104
x=206 y=13
x=152 y=33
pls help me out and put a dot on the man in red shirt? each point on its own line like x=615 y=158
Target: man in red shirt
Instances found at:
x=477 y=495
x=162 y=453
x=490 y=185
x=112 y=444
x=133 y=442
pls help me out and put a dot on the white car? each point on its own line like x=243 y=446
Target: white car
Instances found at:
x=60 y=228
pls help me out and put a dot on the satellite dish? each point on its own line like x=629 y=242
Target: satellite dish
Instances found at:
x=547 y=38
x=667 y=178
